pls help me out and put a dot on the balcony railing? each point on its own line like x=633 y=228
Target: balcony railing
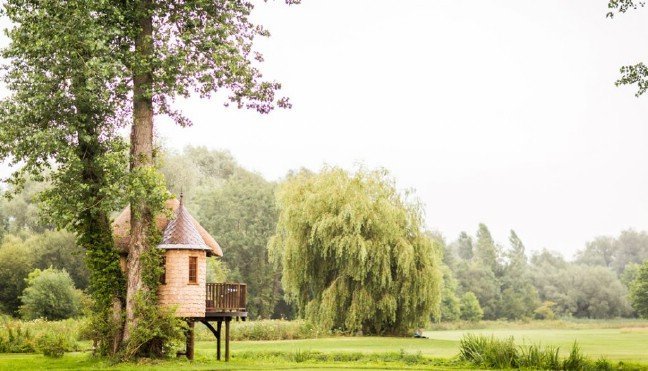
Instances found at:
x=226 y=297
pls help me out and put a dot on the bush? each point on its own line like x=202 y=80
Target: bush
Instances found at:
x=16 y=339
x=545 y=311
x=534 y=356
x=28 y=337
x=503 y=353
x=50 y=294
x=470 y=309
x=489 y=353
x=266 y=330
x=54 y=345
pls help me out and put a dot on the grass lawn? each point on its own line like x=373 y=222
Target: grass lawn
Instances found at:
x=627 y=344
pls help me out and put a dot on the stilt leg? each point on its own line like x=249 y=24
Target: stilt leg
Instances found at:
x=190 y=340
x=218 y=339
x=227 y=336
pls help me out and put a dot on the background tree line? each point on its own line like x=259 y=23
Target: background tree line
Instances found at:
x=509 y=284
x=482 y=278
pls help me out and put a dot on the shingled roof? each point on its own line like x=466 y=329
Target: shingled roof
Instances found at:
x=180 y=231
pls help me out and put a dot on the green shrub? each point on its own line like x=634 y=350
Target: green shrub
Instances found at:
x=23 y=336
x=50 y=294
x=55 y=345
x=533 y=356
x=159 y=333
x=470 y=309
x=496 y=353
x=16 y=339
x=488 y=352
x=545 y=311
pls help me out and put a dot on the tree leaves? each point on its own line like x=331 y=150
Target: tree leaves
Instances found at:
x=353 y=253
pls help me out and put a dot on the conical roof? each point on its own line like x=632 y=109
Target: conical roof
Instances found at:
x=121 y=228
x=181 y=233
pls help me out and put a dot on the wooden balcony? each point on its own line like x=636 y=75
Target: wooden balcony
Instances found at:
x=226 y=300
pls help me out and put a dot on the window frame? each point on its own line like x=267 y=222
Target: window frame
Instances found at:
x=194 y=260
x=163 y=276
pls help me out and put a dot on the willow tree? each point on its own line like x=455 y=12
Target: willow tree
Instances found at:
x=138 y=56
x=353 y=253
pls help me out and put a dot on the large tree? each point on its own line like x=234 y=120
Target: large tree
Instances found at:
x=80 y=69
x=579 y=290
x=61 y=122
x=519 y=296
x=242 y=216
x=639 y=291
x=486 y=251
x=171 y=49
x=353 y=253
x=16 y=261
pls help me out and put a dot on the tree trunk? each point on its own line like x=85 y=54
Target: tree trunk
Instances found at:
x=141 y=156
x=94 y=233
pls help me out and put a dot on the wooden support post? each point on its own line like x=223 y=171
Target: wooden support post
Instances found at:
x=216 y=335
x=218 y=338
x=190 y=340
x=227 y=336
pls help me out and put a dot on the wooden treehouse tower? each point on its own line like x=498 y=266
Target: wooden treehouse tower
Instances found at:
x=184 y=286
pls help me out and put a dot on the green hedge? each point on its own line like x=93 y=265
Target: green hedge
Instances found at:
x=264 y=330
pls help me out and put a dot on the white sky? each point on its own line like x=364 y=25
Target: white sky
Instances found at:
x=501 y=112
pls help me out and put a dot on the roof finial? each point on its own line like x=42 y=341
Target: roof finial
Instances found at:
x=181 y=195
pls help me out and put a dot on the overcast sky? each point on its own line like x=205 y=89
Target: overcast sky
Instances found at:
x=501 y=112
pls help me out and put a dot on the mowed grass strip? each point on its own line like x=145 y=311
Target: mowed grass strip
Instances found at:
x=77 y=360
x=440 y=348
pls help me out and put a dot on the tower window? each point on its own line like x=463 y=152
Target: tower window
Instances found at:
x=163 y=276
x=193 y=269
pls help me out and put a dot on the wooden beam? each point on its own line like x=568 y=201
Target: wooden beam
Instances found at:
x=216 y=335
x=227 y=339
x=190 y=340
x=211 y=328
x=218 y=340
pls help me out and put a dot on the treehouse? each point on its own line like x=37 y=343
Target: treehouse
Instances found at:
x=184 y=286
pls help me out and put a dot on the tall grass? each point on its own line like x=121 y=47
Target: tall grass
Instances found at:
x=494 y=353
x=488 y=352
x=50 y=338
x=266 y=330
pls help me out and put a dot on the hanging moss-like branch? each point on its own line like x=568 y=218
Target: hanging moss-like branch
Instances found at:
x=353 y=253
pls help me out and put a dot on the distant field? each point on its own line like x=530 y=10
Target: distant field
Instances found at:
x=627 y=341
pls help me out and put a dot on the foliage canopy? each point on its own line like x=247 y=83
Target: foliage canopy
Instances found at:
x=639 y=291
x=50 y=294
x=353 y=253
